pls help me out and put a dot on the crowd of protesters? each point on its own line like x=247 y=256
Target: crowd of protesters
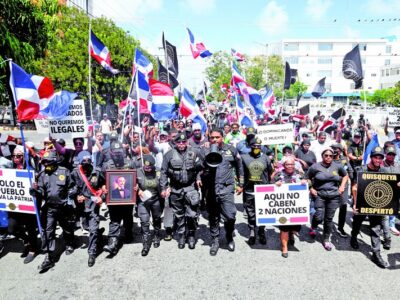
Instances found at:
x=178 y=178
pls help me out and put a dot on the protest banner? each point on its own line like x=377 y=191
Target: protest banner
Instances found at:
x=394 y=117
x=14 y=191
x=42 y=126
x=73 y=125
x=276 y=134
x=377 y=193
x=287 y=204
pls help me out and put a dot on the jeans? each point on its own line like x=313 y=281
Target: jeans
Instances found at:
x=324 y=212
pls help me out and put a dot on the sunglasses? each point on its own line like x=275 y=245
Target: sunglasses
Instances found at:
x=18 y=156
x=328 y=155
x=392 y=154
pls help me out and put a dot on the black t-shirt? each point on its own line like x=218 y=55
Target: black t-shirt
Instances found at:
x=326 y=180
x=308 y=157
x=356 y=150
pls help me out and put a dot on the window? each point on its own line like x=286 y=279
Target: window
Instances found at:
x=388 y=49
x=324 y=73
x=292 y=60
x=361 y=46
x=325 y=60
x=387 y=62
x=291 y=47
x=383 y=73
x=328 y=87
x=373 y=74
x=325 y=46
x=387 y=72
x=309 y=74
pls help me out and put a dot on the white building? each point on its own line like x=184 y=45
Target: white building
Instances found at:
x=390 y=75
x=318 y=58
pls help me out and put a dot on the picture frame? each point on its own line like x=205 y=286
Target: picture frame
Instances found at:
x=120 y=185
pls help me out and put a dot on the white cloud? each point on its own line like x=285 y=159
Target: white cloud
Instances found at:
x=199 y=7
x=126 y=11
x=383 y=7
x=317 y=9
x=351 y=33
x=273 y=19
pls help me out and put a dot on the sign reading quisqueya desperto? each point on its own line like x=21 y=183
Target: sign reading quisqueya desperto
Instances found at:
x=287 y=204
x=377 y=193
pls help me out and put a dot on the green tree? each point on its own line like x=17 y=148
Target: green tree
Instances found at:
x=296 y=90
x=255 y=71
x=275 y=74
x=218 y=73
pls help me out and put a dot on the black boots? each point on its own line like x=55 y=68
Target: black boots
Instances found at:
x=91 y=260
x=214 y=247
x=354 y=243
x=156 y=240
x=261 y=236
x=47 y=264
x=192 y=240
x=378 y=260
x=181 y=241
x=112 y=246
x=146 y=246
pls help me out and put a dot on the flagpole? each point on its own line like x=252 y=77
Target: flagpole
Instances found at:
x=138 y=113
x=90 y=75
x=365 y=115
x=165 y=56
x=4 y=61
x=129 y=104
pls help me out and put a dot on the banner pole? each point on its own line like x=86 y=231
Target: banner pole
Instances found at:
x=90 y=74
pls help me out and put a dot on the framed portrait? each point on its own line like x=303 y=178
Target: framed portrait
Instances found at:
x=120 y=185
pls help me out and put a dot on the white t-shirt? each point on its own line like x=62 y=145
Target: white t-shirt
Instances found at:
x=105 y=126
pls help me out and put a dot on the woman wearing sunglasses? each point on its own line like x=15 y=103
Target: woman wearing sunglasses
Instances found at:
x=21 y=225
x=327 y=182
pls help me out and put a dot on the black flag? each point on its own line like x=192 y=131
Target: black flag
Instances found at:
x=305 y=110
x=352 y=68
x=319 y=88
x=163 y=76
x=172 y=57
x=290 y=76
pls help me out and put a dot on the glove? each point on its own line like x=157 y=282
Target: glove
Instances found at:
x=33 y=192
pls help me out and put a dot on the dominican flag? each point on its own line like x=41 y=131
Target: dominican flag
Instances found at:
x=236 y=75
x=371 y=145
x=26 y=96
x=237 y=56
x=334 y=121
x=58 y=106
x=224 y=88
x=245 y=120
x=298 y=117
x=100 y=53
x=163 y=101
x=198 y=49
x=268 y=99
x=190 y=110
x=143 y=64
x=250 y=95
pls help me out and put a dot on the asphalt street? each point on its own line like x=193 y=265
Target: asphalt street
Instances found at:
x=167 y=272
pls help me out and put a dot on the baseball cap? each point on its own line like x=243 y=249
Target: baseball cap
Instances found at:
x=181 y=137
x=377 y=151
x=390 y=149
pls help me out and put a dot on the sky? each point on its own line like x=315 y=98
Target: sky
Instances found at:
x=247 y=26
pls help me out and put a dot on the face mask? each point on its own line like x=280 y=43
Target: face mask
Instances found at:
x=197 y=135
x=149 y=169
x=87 y=167
x=255 y=151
